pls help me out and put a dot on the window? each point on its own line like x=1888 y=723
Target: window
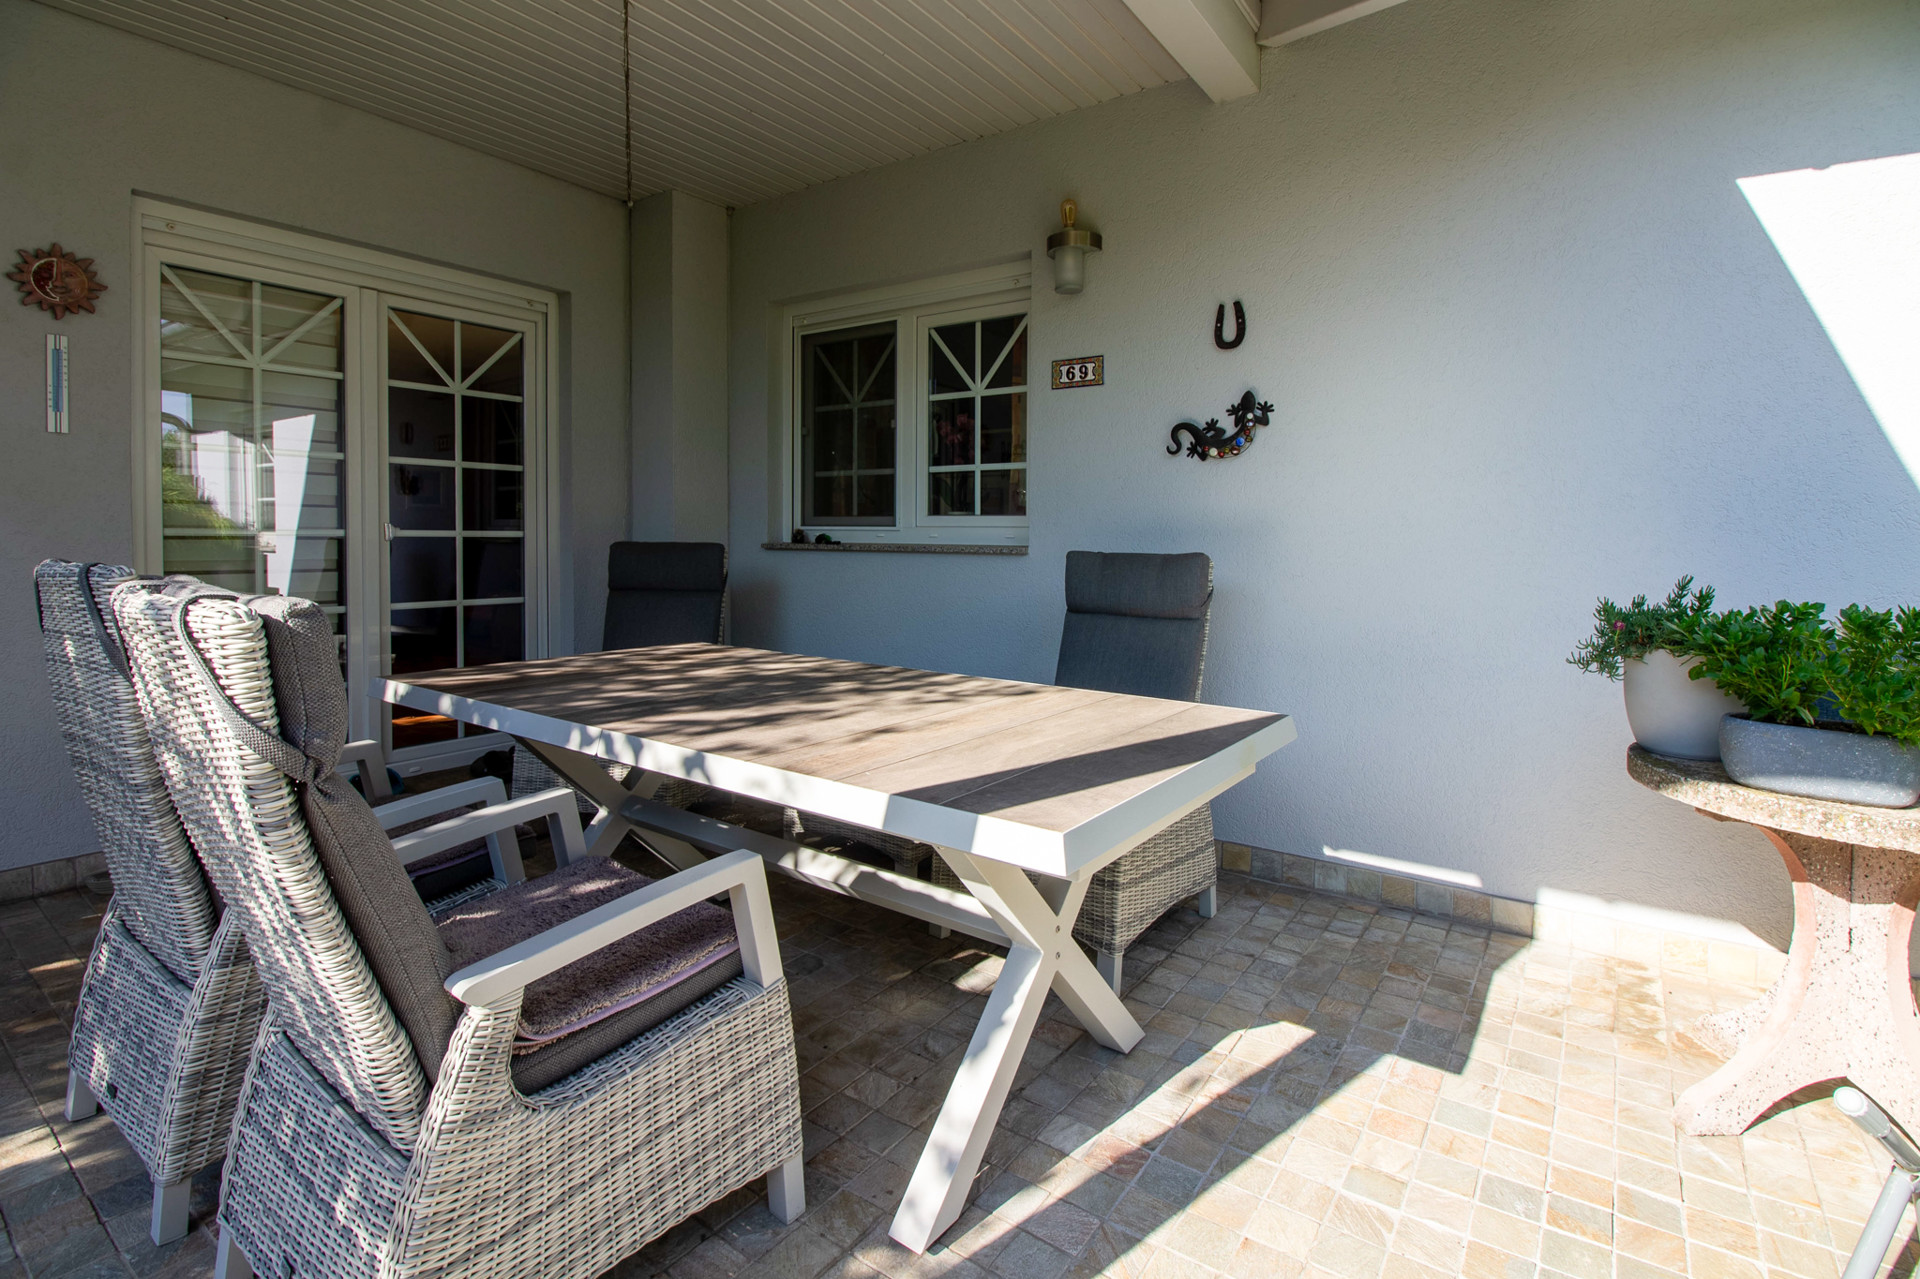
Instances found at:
x=309 y=431
x=910 y=415
x=847 y=430
x=977 y=417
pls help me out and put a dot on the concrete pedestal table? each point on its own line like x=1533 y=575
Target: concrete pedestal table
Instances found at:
x=1843 y=1007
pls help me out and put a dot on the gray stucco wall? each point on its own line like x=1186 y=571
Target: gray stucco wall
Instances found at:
x=1528 y=344
x=93 y=116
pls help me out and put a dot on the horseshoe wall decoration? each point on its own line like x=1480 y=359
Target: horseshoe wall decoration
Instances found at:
x=1220 y=326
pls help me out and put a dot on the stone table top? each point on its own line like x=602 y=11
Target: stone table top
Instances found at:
x=1705 y=785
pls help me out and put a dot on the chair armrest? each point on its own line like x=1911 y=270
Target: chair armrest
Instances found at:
x=371 y=763
x=411 y=808
x=557 y=806
x=739 y=874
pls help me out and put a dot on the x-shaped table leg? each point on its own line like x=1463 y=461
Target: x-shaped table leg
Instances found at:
x=1042 y=956
x=588 y=773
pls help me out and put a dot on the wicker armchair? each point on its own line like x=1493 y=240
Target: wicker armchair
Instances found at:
x=169 y=1005
x=412 y=1107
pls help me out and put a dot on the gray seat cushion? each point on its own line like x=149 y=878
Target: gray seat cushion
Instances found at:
x=1136 y=623
x=664 y=593
x=592 y=1006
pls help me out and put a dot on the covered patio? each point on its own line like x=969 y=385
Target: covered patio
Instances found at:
x=951 y=621
x=1327 y=1087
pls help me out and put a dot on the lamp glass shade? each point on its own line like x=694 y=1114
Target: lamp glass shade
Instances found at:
x=1069 y=268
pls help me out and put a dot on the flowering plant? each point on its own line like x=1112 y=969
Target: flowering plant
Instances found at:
x=1629 y=634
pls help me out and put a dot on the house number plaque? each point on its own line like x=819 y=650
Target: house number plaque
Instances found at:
x=1082 y=370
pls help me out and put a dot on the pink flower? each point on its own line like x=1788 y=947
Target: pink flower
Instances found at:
x=1619 y=626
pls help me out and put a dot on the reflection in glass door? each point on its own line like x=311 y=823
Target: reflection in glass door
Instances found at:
x=456 y=501
x=252 y=452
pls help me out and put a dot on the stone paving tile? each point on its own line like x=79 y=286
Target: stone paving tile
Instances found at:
x=1323 y=1090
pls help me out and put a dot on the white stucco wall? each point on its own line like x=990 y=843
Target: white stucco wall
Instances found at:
x=94 y=116
x=679 y=252
x=1528 y=344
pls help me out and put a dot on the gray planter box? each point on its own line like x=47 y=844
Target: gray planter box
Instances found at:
x=1820 y=763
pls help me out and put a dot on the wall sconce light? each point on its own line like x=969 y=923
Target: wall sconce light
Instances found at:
x=1068 y=247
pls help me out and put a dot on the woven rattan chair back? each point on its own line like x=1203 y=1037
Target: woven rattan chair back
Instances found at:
x=244 y=817
x=158 y=888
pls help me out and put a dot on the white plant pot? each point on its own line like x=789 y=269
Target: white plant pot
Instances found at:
x=1671 y=714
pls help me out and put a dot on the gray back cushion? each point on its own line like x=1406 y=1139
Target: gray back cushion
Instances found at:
x=664 y=593
x=403 y=947
x=1136 y=624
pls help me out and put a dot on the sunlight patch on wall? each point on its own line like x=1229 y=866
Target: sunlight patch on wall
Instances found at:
x=1395 y=866
x=1850 y=234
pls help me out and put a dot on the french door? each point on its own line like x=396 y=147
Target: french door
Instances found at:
x=455 y=433
x=311 y=433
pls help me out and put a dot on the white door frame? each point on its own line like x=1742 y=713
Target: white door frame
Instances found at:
x=366 y=277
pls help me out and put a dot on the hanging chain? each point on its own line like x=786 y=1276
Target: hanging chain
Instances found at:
x=626 y=78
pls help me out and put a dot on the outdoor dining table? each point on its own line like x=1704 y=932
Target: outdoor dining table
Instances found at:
x=1003 y=778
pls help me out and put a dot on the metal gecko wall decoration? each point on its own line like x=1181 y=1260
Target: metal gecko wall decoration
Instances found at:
x=1213 y=440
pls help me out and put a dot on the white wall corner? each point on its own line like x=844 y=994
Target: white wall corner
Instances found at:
x=678 y=426
x=1284 y=21
x=1212 y=40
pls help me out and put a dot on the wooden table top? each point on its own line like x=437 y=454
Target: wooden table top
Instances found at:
x=1705 y=785
x=1048 y=775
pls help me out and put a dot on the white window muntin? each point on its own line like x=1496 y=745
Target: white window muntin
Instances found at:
x=980 y=377
x=458 y=385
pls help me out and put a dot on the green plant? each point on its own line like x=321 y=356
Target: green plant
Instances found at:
x=1873 y=673
x=1776 y=659
x=1629 y=634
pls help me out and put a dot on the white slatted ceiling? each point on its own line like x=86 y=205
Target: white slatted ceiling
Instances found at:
x=734 y=100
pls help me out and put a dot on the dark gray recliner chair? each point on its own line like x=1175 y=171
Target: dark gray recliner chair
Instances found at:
x=1138 y=624
x=665 y=593
x=657 y=593
x=1135 y=624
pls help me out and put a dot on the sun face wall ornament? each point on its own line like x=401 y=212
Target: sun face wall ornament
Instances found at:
x=57 y=280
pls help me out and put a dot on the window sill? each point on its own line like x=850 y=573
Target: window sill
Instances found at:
x=910 y=548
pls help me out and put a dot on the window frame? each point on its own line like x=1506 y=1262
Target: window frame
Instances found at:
x=913 y=309
x=369 y=280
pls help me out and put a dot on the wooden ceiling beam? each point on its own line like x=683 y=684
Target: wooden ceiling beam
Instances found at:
x=1212 y=40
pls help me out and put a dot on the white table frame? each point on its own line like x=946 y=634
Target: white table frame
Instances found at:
x=1001 y=905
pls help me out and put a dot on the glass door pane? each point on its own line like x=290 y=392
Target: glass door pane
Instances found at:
x=456 y=502
x=253 y=455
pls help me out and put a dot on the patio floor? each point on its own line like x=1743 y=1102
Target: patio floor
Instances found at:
x=1323 y=1089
